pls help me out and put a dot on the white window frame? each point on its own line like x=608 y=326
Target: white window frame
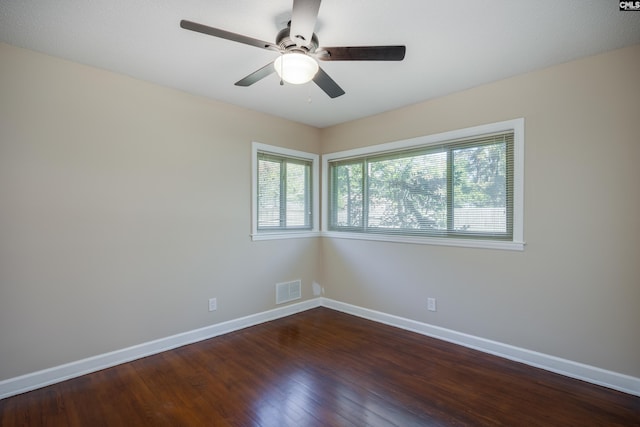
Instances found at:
x=517 y=242
x=256 y=234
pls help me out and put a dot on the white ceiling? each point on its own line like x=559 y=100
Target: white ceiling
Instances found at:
x=451 y=45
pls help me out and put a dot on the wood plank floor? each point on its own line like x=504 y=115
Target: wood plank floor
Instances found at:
x=321 y=368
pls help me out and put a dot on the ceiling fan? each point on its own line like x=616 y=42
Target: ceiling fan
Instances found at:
x=299 y=51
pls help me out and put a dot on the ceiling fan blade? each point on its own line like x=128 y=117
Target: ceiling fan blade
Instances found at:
x=362 y=53
x=303 y=20
x=216 y=32
x=327 y=84
x=256 y=75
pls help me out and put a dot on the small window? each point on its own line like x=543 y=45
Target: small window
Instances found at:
x=285 y=192
x=460 y=188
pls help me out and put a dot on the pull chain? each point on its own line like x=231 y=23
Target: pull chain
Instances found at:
x=281 y=69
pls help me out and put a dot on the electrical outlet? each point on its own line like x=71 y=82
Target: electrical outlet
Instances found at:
x=431 y=304
x=317 y=289
x=213 y=304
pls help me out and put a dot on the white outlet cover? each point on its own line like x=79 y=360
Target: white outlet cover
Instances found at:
x=317 y=289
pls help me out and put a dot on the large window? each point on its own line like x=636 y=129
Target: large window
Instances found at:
x=462 y=188
x=285 y=192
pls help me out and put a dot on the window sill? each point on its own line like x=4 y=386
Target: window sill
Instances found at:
x=465 y=243
x=284 y=235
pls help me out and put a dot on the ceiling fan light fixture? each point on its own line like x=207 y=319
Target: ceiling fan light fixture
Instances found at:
x=295 y=67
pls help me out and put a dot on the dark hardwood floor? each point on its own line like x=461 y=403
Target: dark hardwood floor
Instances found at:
x=321 y=368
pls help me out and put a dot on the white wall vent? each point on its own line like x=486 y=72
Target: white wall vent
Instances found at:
x=288 y=291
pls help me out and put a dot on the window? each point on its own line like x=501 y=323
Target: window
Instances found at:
x=459 y=188
x=285 y=192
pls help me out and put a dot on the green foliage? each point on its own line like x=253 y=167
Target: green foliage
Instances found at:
x=348 y=194
x=479 y=176
x=409 y=193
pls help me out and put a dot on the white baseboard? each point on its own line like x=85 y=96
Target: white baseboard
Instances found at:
x=568 y=368
x=32 y=381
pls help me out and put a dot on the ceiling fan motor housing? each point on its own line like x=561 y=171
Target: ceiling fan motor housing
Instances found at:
x=286 y=43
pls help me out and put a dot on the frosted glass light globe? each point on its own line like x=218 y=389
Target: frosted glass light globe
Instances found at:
x=296 y=68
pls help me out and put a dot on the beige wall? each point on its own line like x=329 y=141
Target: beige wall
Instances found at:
x=574 y=292
x=124 y=207
x=113 y=232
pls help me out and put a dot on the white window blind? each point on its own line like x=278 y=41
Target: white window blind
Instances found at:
x=446 y=187
x=285 y=191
